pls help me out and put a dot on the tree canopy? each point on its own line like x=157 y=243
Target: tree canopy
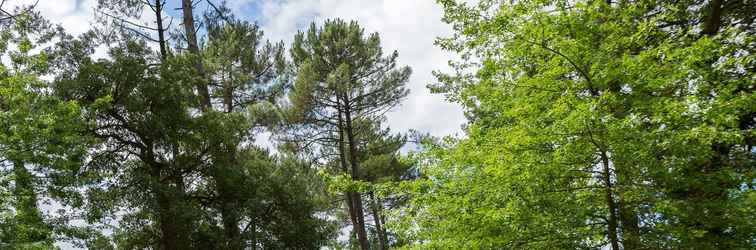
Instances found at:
x=590 y=125
x=594 y=124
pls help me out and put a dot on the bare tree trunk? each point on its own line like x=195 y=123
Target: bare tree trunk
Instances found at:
x=382 y=239
x=160 y=30
x=344 y=167
x=713 y=19
x=612 y=206
x=356 y=197
x=191 y=41
x=360 y=214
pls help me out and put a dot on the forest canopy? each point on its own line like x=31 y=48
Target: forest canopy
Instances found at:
x=589 y=125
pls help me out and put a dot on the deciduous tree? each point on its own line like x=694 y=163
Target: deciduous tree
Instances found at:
x=594 y=124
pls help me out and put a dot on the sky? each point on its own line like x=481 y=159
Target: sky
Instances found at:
x=408 y=26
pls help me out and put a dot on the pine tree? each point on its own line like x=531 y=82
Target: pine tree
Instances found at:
x=244 y=72
x=381 y=164
x=342 y=80
x=187 y=171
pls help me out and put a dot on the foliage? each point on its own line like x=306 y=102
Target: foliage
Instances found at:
x=342 y=87
x=592 y=124
x=41 y=146
x=181 y=174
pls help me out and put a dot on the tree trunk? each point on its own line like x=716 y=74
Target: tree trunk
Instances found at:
x=612 y=206
x=628 y=216
x=382 y=239
x=228 y=94
x=360 y=214
x=228 y=203
x=160 y=30
x=344 y=167
x=224 y=165
x=174 y=234
x=227 y=198
x=174 y=226
x=356 y=197
x=191 y=41
x=713 y=19
x=230 y=217
x=629 y=224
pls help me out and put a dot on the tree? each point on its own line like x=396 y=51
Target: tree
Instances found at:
x=593 y=124
x=124 y=15
x=190 y=175
x=246 y=69
x=190 y=33
x=381 y=164
x=149 y=140
x=40 y=136
x=342 y=79
x=245 y=75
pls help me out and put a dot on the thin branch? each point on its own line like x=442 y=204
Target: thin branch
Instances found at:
x=217 y=10
x=573 y=63
x=129 y=22
x=12 y=16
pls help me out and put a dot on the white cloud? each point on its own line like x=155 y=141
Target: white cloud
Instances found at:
x=74 y=15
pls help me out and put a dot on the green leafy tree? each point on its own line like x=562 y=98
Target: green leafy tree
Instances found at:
x=593 y=124
x=41 y=144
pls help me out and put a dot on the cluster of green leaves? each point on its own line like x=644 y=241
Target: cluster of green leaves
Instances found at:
x=593 y=124
x=41 y=145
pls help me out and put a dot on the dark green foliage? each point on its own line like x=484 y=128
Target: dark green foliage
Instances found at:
x=342 y=88
x=247 y=69
x=151 y=141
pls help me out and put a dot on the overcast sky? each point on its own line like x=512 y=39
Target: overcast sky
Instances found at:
x=409 y=26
